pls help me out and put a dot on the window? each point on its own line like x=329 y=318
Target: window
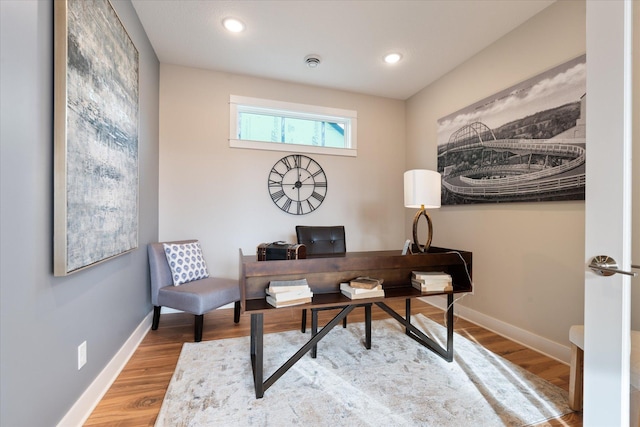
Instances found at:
x=283 y=126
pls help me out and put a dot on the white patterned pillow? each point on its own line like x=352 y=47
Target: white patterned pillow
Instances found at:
x=186 y=262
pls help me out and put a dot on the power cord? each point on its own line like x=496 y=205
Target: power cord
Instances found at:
x=444 y=316
x=466 y=269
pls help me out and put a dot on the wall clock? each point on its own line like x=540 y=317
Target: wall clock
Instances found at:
x=297 y=184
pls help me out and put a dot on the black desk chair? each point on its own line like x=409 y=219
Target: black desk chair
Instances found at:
x=321 y=240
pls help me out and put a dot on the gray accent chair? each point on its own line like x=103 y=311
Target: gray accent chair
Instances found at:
x=196 y=297
x=321 y=240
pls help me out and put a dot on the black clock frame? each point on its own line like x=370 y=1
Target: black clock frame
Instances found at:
x=297 y=184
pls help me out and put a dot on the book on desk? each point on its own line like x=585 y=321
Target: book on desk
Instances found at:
x=286 y=293
x=365 y=282
x=431 y=281
x=278 y=304
x=360 y=293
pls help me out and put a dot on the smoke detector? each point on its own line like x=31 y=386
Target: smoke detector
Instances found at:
x=312 y=61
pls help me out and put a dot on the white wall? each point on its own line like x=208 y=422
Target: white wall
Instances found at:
x=219 y=194
x=528 y=257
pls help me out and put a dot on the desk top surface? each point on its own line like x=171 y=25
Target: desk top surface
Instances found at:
x=385 y=260
x=325 y=273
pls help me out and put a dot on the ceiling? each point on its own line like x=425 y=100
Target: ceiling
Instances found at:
x=351 y=38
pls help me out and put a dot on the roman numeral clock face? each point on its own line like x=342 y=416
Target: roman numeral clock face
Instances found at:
x=297 y=184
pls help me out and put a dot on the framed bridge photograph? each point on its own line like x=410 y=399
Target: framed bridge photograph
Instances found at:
x=523 y=144
x=95 y=136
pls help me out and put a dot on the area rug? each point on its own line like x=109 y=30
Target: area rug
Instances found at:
x=395 y=383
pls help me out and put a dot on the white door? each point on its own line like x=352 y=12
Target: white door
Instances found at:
x=608 y=212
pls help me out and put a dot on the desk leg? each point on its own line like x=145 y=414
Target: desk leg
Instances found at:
x=314 y=331
x=303 y=350
x=367 y=326
x=257 y=321
x=449 y=357
x=421 y=337
x=407 y=311
x=303 y=326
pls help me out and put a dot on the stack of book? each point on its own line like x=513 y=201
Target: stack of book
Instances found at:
x=431 y=281
x=362 y=287
x=284 y=293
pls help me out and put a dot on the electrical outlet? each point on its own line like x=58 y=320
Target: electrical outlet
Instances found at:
x=82 y=355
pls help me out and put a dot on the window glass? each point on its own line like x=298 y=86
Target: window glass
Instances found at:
x=273 y=125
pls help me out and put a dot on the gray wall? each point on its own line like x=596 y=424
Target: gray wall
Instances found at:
x=44 y=318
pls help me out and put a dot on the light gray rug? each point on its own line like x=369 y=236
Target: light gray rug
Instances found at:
x=396 y=383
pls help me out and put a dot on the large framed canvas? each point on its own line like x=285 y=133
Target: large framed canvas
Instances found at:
x=95 y=136
x=523 y=144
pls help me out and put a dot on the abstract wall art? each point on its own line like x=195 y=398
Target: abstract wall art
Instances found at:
x=95 y=136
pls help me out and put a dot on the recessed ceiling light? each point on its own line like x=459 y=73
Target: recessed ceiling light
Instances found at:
x=392 y=58
x=233 y=25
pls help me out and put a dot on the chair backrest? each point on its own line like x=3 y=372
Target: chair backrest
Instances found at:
x=159 y=268
x=322 y=239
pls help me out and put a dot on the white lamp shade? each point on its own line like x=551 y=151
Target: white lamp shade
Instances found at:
x=422 y=187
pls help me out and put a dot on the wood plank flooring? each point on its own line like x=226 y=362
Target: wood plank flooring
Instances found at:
x=135 y=397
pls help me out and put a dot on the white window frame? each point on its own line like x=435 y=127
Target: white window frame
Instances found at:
x=299 y=111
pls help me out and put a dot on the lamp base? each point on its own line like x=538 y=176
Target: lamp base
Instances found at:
x=416 y=249
x=416 y=244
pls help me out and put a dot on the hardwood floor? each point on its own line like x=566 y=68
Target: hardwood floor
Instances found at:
x=135 y=397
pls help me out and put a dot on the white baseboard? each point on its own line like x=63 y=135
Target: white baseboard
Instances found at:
x=540 y=344
x=83 y=407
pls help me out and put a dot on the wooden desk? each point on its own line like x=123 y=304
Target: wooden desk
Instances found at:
x=324 y=275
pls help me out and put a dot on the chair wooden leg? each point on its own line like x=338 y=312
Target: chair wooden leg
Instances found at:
x=199 y=322
x=303 y=327
x=156 y=317
x=236 y=312
x=575 y=378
